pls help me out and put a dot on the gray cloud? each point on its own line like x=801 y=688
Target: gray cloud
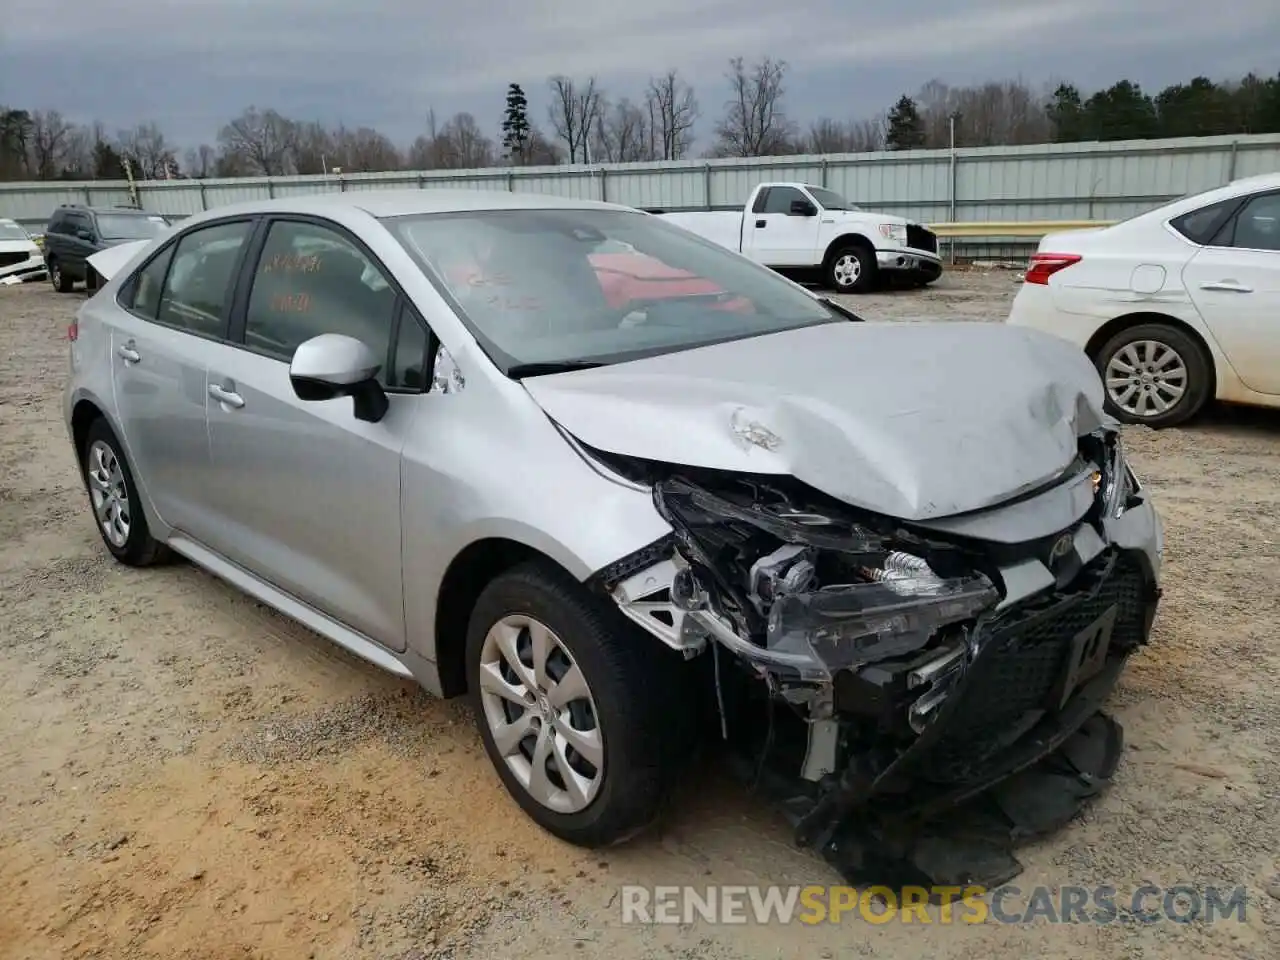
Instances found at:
x=191 y=65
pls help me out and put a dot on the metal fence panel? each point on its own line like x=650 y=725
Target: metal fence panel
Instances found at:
x=1083 y=181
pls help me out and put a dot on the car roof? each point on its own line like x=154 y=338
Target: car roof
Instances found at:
x=410 y=202
x=127 y=211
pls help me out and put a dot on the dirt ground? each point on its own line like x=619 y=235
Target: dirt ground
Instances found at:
x=185 y=774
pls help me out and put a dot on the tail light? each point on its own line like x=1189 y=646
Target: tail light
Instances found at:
x=73 y=331
x=1045 y=265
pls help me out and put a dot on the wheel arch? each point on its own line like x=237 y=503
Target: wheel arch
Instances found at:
x=1129 y=320
x=471 y=570
x=83 y=413
x=846 y=240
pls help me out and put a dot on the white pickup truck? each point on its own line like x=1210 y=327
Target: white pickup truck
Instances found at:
x=799 y=228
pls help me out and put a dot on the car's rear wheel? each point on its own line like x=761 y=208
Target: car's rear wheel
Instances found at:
x=570 y=706
x=61 y=282
x=114 y=498
x=852 y=269
x=1154 y=374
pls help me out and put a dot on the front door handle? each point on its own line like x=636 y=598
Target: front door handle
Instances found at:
x=223 y=395
x=761 y=224
x=127 y=353
x=1227 y=286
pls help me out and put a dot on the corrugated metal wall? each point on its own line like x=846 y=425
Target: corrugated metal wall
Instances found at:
x=1103 y=181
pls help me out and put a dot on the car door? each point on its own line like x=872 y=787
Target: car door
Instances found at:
x=82 y=241
x=1235 y=284
x=172 y=319
x=309 y=496
x=780 y=238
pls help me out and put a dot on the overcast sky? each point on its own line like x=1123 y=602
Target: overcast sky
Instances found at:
x=189 y=65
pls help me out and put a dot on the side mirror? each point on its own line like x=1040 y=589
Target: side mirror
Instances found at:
x=803 y=208
x=84 y=235
x=334 y=365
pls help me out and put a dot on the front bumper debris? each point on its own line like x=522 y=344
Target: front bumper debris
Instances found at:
x=924 y=707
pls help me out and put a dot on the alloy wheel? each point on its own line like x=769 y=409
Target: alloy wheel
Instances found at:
x=109 y=493
x=541 y=714
x=1146 y=378
x=847 y=269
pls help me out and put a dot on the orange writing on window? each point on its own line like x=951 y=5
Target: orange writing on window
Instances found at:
x=292 y=263
x=290 y=303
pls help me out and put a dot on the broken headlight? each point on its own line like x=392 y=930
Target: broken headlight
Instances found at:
x=806 y=590
x=1114 y=483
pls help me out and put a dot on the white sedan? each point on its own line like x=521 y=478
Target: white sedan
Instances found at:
x=1175 y=306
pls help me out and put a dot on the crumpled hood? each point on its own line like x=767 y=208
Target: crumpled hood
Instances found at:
x=913 y=420
x=865 y=214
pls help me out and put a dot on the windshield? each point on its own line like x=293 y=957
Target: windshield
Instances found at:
x=830 y=200
x=12 y=231
x=588 y=287
x=129 y=226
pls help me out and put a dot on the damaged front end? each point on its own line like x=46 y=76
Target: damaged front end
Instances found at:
x=884 y=674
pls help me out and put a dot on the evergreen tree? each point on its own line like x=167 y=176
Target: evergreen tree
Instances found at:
x=517 y=132
x=1066 y=113
x=906 y=129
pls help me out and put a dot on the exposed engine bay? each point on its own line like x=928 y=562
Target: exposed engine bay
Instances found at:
x=854 y=658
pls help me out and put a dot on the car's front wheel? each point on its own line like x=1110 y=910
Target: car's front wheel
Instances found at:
x=852 y=269
x=1154 y=374
x=114 y=499
x=569 y=706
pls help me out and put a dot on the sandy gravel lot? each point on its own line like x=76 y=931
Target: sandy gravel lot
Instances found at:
x=184 y=774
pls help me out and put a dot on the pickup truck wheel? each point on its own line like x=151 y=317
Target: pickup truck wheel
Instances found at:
x=572 y=706
x=1154 y=374
x=852 y=269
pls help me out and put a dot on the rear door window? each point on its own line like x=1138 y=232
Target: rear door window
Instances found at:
x=197 y=291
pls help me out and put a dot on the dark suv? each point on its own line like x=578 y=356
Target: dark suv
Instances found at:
x=75 y=233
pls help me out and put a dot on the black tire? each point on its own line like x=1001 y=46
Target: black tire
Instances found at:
x=635 y=684
x=61 y=282
x=139 y=548
x=1198 y=385
x=866 y=278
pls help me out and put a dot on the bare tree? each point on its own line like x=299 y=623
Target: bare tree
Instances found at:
x=754 y=124
x=998 y=112
x=622 y=134
x=835 y=136
x=364 y=150
x=463 y=144
x=312 y=148
x=147 y=149
x=672 y=110
x=458 y=144
x=574 y=112
x=262 y=141
x=200 y=161
x=50 y=138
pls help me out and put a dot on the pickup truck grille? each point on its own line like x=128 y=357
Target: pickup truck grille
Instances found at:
x=919 y=238
x=9 y=259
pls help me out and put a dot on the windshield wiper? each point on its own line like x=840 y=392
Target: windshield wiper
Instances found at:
x=543 y=367
x=840 y=309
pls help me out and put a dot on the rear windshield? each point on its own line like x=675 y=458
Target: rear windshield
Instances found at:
x=129 y=226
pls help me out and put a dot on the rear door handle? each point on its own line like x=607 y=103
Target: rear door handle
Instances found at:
x=1227 y=286
x=223 y=395
x=761 y=224
x=127 y=353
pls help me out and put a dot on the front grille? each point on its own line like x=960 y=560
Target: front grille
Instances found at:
x=1024 y=658
x=920 y=238
x=9 y=259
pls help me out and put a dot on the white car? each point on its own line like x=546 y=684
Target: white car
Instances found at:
x=20 y=257
x=1175 y=306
